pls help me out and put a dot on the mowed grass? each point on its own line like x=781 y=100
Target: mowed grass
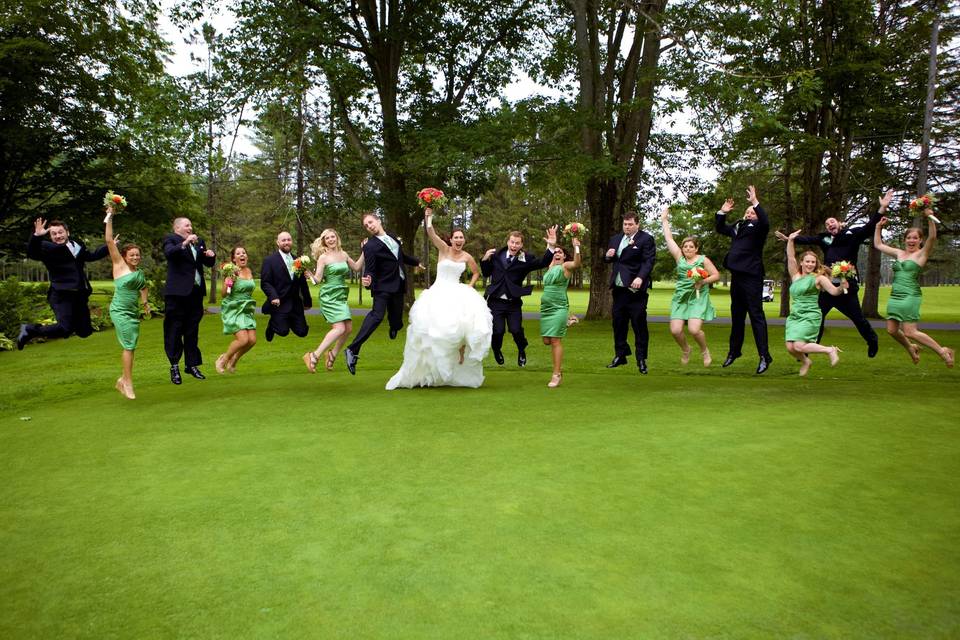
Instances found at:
x=689 y=503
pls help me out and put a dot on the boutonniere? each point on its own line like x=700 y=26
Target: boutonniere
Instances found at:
x=521 y=257
x=828 y=240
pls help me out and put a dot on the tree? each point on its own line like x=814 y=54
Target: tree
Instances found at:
x=85 y=105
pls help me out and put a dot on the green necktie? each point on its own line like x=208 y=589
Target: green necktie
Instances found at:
x=289 y=260
x=196 y=273
x=623 y=245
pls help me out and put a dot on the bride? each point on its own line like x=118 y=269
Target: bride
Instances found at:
x=450 y=323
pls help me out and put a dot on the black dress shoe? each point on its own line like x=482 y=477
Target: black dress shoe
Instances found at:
x=872 y=349
x=729 y=360
x=498 y=356
x=618 y=361
x=522 y=358
x=351 y=359
x=393 y=334
x=195 y=372
x=764 y=364
x=642 y=365
x=268 y=334
x=175 y=375
x=22 y=337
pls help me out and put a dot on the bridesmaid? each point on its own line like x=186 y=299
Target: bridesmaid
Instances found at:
x=903 y=307
x=555 y=307
x=236 y=312
x=691 y=297
x=803 y=323
x=333 y=266
x=130 y=290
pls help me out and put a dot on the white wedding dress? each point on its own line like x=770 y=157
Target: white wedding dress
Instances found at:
x=445 y=317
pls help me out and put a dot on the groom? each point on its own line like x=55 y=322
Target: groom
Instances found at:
x=507 y=268
x=384 y=275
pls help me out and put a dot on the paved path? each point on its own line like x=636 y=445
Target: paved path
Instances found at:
x=776 y=321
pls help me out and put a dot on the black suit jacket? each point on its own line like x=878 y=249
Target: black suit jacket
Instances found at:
x=384 y=268
x=508 y=279
x=636 y=261
x=67 y=272
x=276 y=283
x=182 y=266
x=746 y=250
x=843 y=246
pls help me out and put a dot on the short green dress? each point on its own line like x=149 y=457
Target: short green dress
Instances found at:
x=125 y=308
x=685 y=304
x=333 y=293
x=905 y=294
x=237 y=307
x=803 y=323
x=554 y=306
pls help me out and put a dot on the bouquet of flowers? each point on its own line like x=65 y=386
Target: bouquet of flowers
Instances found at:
x=300 y=265
x=696 y=275
x=115 y=200
x=924 y=202
x=574 y=230
x=430 y=197
x=843 y=270
x=230 y=272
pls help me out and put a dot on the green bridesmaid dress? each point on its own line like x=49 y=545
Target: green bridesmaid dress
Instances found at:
x=905 y=294
x=125 y=308
x=333 y=294
x=685 y=304
x=554 y=306
x=237 y=307
x=803 y=323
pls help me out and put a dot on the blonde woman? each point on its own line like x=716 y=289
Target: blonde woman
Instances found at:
x=691 y=304
x=333 y=267
x=903 y=307
x=803 y=323
x=130 y=291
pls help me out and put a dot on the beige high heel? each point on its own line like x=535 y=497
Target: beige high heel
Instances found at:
x=805 y=365
x=555 y=380
x=915 y=353
x=310 y=360
x=707 y=359
x=331 y=357
x=219 y=365
x=947 y=356
x=834 y=356
x=685 y=355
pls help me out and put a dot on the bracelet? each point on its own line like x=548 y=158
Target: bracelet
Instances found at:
x=576 y=249
x=430 y=222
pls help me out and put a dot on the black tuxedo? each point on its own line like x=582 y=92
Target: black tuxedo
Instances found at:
x=388 y=285
x=293 y=294
x=69 y=291
x=630 y=305
x=845 y=246
x=505 y=290
x=183 y=299
x=745 y=262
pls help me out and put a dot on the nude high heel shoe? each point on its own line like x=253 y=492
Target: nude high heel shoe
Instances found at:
x=555 y=380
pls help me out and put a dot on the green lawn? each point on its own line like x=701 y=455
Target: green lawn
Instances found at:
x=689 y=503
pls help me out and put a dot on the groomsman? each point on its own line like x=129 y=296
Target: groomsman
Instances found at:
x=840 y=244
x=632 y=254
x=186 y=255
x=507 y=268
x=288 y=293
x=745 y=263
x=385 y=276
x=70 y=289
